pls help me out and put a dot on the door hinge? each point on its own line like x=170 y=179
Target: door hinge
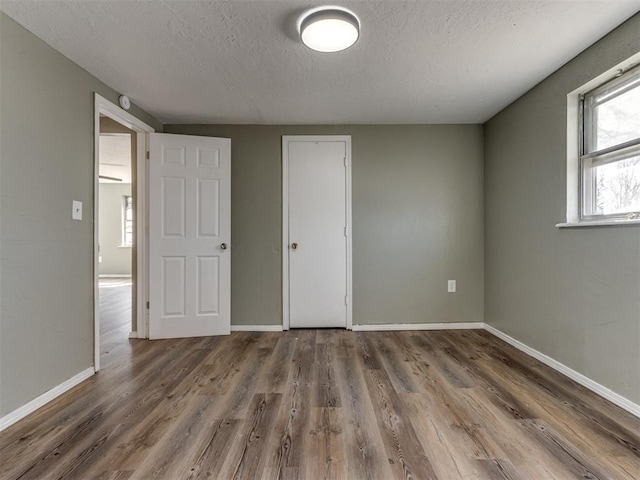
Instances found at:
x=147 y=305
x=345 y=162
x=148 y=154
x=345 y=232
x=345 y=300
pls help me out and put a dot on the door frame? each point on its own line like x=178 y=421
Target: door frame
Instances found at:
x=286 y=139
x=102 y=106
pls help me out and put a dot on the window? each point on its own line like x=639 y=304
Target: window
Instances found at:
x=610 y=149
x=127 y=221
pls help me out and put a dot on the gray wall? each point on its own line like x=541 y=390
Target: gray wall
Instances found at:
x=417 y=220
x=46 y=331
x=115 y=258
x=573 y=294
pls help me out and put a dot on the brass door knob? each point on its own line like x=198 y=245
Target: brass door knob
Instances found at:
x=294 y=246
x=223 y=246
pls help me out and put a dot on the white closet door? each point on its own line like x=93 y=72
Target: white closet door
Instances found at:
x=317 y=236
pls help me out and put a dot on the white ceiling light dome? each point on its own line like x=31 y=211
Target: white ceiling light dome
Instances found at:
x=329 y=29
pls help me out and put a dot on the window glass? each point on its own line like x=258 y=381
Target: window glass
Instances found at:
x=618 y=120
x=617 y=186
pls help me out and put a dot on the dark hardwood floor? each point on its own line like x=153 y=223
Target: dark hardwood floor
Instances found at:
x=318 y=404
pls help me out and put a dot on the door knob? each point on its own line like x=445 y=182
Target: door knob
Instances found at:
x=294 y=246
x=223 y=246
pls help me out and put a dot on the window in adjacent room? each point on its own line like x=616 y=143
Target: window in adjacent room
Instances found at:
x=127 y=221
x=609 y=161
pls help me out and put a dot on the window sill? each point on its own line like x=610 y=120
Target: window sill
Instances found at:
x=124 y=246
x=603 y=223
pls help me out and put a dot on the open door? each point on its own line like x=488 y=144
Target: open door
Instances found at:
x=189 y=236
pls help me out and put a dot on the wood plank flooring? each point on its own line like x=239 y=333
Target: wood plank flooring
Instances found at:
x=319 y=404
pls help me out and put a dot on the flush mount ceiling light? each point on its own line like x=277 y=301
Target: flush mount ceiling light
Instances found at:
x=329 y=29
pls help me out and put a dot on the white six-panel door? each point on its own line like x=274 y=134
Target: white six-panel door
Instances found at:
x=189 y=236
x=317 y=248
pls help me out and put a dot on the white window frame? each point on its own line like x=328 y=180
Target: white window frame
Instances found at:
x=591 y=158
x=124 y=242
x=574 y=192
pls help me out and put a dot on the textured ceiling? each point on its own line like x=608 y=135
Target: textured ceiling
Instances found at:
x=448 y=61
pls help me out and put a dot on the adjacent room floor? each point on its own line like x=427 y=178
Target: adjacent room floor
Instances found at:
x=318 y=404
x=115 y=314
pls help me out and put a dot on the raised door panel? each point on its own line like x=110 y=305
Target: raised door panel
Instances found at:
x=208 y=285
x=173 y=286
x=173 y=198
x=208 y=207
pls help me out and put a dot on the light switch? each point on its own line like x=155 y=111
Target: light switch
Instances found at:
x=76 y=210
x=451 y=286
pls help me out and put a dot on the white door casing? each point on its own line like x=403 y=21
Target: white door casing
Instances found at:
x=189 y=236
x=316 y=231
x=102 y=106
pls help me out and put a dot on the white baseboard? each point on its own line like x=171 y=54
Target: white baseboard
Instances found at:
x=256 y=328
x=18 y=414
x=601 y=390
x=133 y=334
x=386 y=327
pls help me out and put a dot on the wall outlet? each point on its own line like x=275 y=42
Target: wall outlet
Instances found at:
x=76 y=210
x=451 y=286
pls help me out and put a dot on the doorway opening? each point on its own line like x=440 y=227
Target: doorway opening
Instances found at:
x=116 y=226
x=120 y=275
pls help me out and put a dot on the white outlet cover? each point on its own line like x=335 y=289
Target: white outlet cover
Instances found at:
x=451 y=286
x=76 y=210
